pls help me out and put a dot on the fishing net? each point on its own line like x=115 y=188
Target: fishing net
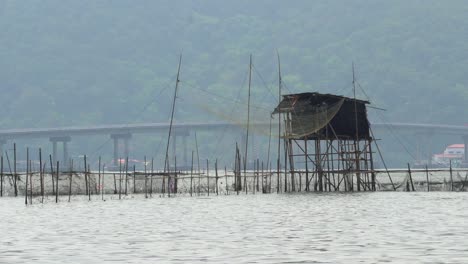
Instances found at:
x=311 y=119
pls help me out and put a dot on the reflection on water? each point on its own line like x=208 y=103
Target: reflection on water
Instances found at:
x=322 y=228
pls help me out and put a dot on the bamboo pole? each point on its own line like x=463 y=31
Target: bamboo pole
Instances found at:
x=120 y=179
x=26 y=183
x=115 y=184
x=126 y=175
x=103 y=182
x=410 y=177
x=278 y=175
x=451 y=177
x=208 y=176
x=248 y=124
x=168 y=178
x=146 y=181
x=30 y=182
x=306 y=165
x=99 y=175
x=1 y=175
x=70 y=178
x=216 y=171
x=134 y=178
x=41 y=175
x=191 y=176
x=174 y=183
x=427 y=179
x=258 y=176
x=278 y=163
x=198 y=160
x=269 y=180
x=86 y=176
x=254 y=176
x=15 y=180
x=166 y=163
x=56 y=183
x=52 y=174
x=226 y=180
x=263 y=180
x=151 y=179
x=88 y=171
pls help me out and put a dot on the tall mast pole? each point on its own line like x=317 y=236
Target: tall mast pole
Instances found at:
x=172 y=115
x=279 y=124
x=248 y=119
x=355 y=104
x=356 y=143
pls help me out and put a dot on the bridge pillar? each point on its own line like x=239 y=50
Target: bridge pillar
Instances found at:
x=2 y=144
x=423 y=148
x=126 y=139
x=465 y=141
x=184 y=133
x=64 y=140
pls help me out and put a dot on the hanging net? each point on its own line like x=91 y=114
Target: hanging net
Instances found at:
x=311 y=119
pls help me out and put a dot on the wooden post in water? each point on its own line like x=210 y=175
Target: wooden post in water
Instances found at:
x=269 y=180
x=174 y=184
x=306 y=165
x=15 y=185
x=191 y=176
x=103 y=181
x=52 y=174
x=216 y=171
x=56 y=183
x=1 y=175
x=126 y=175
x=263 y=180
x=99 y=175
x=258 y=175
x=427 y=179
x=151 y=179
x=30 y=182
x=115 y=184
x=70 y=180
x=146 y=181
x=26 y=183
x=208 y=177
x=451 y=177
x=86 y=176
x=41 y=175
x=134 y=178
x=278 y=164
x=278 y=175
x=198 y=162
x=464 y=182
x=168 y=178
x=88 y=171
x=226 y=180
x=120 y=179
x=410 y=177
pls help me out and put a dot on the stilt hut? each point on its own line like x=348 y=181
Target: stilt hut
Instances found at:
x=329 y=137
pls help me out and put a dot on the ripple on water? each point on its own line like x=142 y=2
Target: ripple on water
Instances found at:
x=302 y=228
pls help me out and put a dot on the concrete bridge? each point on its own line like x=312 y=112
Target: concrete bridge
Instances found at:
x=124 y=133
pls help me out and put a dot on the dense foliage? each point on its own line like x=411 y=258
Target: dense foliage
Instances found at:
x=68 y=63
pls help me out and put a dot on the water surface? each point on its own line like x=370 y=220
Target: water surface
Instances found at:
x=376 y=227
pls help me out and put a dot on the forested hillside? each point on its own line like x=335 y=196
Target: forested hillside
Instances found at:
x=66 y=63
x=90 y=62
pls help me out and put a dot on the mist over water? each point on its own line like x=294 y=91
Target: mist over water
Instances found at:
x=376 y=227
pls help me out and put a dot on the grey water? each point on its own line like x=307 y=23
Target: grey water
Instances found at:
x=392 y=227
